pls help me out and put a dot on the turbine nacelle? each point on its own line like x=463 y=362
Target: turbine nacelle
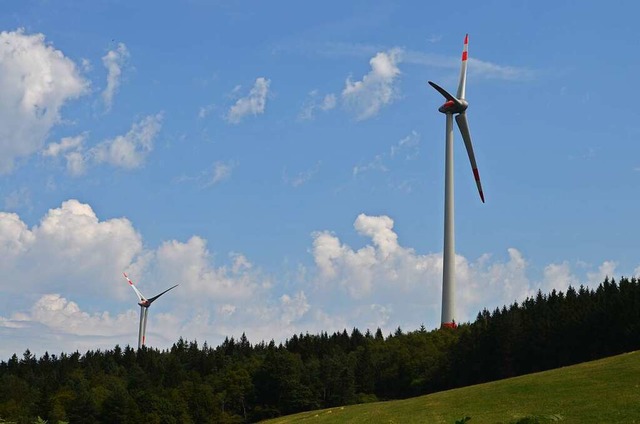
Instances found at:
x=451 y=106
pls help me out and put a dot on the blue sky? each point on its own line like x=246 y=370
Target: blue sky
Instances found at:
x=284 y=161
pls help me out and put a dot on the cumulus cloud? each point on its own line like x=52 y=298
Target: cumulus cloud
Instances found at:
x=130 y=150
x=71 y=294
x=113 y=61
x=253 y=104
x=127 y=151
x=190 y=263
x=55 y=326
x=396 y=278
x=366 y=97
x=72 y=148
x=62 y=314
x=606 y=269
x=71 y=254
x=67 y=143
x=559 y=277
x=18 y=198
x=379 y=266
x=36 y=81
x=68 y=246
x=293 y=308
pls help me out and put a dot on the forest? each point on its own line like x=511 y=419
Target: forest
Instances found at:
x=239 y=382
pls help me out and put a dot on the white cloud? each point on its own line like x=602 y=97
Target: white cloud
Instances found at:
x=365 y=98
x=130 y=150
x=328 y=102
x=218 y=172
x=127 y=151
x=73 y=150
x=71 y=294
x=221 y=171
x=398 y=279
x=204 y=111
x=76 y=163
x=189 y=264
x=302 y=177
x=69 y=245
x=377 y=164
x=71 y=254
x=36 y=81
x=477 y=67
x=227 y=309
x=67 y=143
x=56 y=324
x=490 y=70
x=253 y=104
x=314 y=103
x=380 y=268
x=113 y=61
x=293 y=308
x=58 y=313
x=559 y=277
x=18 y=198
x=606 y=269
x=407 y=146
x=85 y=64
x=405 y=149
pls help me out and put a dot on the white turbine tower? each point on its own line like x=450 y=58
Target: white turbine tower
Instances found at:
x=454 y=105
x=144 y=309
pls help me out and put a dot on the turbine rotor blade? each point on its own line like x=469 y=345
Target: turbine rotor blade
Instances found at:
x=135 y=289
x=444 y=93
x=150 y=300
x=463 y=69
x=461 y=120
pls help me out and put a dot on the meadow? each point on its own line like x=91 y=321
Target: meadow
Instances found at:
x=602 y=391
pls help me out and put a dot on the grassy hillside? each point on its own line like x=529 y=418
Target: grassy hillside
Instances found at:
x=603 y=391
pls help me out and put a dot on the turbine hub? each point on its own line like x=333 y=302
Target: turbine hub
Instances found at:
x=451 y=106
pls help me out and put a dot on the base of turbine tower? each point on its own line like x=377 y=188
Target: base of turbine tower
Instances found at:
x=449 y=325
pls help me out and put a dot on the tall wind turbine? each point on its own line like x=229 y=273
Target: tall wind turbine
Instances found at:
x=144 y=309
x=454 y=106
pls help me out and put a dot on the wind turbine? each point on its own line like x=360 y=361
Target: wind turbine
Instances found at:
x=144 y=309
x=454 y=106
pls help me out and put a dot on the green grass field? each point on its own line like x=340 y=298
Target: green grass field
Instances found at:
x=603 y=391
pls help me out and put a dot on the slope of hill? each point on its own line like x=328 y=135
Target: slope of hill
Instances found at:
x=602 y=391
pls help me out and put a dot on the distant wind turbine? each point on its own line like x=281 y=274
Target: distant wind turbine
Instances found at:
x=144 y=307
x=454 y=105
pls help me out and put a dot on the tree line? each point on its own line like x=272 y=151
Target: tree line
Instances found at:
x=238 y=382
